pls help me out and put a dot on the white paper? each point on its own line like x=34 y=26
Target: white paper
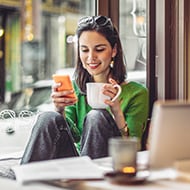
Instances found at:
x=67 y=168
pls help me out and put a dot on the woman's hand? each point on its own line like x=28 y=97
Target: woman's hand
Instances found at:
x=61 y=99
x=115 y=107
x=111 y=91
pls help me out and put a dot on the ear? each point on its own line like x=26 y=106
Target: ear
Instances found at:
x=114 y=50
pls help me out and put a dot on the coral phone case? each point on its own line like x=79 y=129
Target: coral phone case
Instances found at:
x=66 y=83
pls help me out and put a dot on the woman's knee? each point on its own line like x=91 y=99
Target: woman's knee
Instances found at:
x=49 y=115
x=98 y=118
x=96 y=114
x=48 y=120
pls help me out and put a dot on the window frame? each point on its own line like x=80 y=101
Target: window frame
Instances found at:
x=110 y=8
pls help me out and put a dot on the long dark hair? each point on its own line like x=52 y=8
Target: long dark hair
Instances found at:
x=104 y=26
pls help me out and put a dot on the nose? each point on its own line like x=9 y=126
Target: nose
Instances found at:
x=92 y=56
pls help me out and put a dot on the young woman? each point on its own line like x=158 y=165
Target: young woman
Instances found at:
x=75 y=129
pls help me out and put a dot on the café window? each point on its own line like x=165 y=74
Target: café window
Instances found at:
x=52 y=49
x=132 y=27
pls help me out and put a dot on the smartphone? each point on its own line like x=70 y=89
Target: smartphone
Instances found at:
x=66 y=83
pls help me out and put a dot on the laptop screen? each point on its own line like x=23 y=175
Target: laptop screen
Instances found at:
x=169 y=137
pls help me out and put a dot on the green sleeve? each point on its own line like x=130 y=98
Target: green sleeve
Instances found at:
x=76 y=113
x=137 y=115
x=135 y=108
x=71 y=119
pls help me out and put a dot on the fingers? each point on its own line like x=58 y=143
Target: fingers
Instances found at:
x=61 y=98
x=60 y=93
x=65 y=93
x=113 y=92
x=62 y=101
x=55 y=87
x=112 y=81
x=110 y=89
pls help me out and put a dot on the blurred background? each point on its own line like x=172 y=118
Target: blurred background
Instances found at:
x=37 y=39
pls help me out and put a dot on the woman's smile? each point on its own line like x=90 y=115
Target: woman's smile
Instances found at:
x=93 y=65
x=95 y=53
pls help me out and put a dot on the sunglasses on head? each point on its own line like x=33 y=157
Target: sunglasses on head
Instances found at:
x=95 y=20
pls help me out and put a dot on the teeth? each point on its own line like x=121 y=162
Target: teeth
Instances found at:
x=93 y=65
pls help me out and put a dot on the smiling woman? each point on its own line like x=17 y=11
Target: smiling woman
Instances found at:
x=101 y=59
x=74 y=128
x=96 y=55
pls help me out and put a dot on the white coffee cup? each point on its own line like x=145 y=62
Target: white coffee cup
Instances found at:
x=96 y=98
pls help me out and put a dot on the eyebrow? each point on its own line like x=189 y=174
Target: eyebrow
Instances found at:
x=99 y=45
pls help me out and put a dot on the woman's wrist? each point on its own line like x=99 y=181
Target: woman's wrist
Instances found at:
x=124 y=130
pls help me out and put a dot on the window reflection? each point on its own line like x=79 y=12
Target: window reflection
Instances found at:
x=139 y=18
x=55 y=48
x=133 y=35
x=42 y=45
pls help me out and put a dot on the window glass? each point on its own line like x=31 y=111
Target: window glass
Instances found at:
x=36 y=40
x=52 y=45
x=133 y=36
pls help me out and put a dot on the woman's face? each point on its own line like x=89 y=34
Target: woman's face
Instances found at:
x=96 y=54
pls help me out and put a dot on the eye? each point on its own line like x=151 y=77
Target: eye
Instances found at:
x=84 y=49
x=100 y=49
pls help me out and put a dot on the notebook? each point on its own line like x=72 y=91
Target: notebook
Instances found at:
x=170 y=133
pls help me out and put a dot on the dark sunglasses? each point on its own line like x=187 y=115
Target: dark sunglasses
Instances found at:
x=95 y=20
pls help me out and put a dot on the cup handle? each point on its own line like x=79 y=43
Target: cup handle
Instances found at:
x=118 y=93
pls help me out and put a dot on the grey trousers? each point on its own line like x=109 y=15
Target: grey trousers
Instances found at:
x=51 y=137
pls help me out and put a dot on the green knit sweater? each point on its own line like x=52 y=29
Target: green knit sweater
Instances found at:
x=134 y=104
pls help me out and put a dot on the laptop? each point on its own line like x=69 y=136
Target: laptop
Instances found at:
x=169 y=137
